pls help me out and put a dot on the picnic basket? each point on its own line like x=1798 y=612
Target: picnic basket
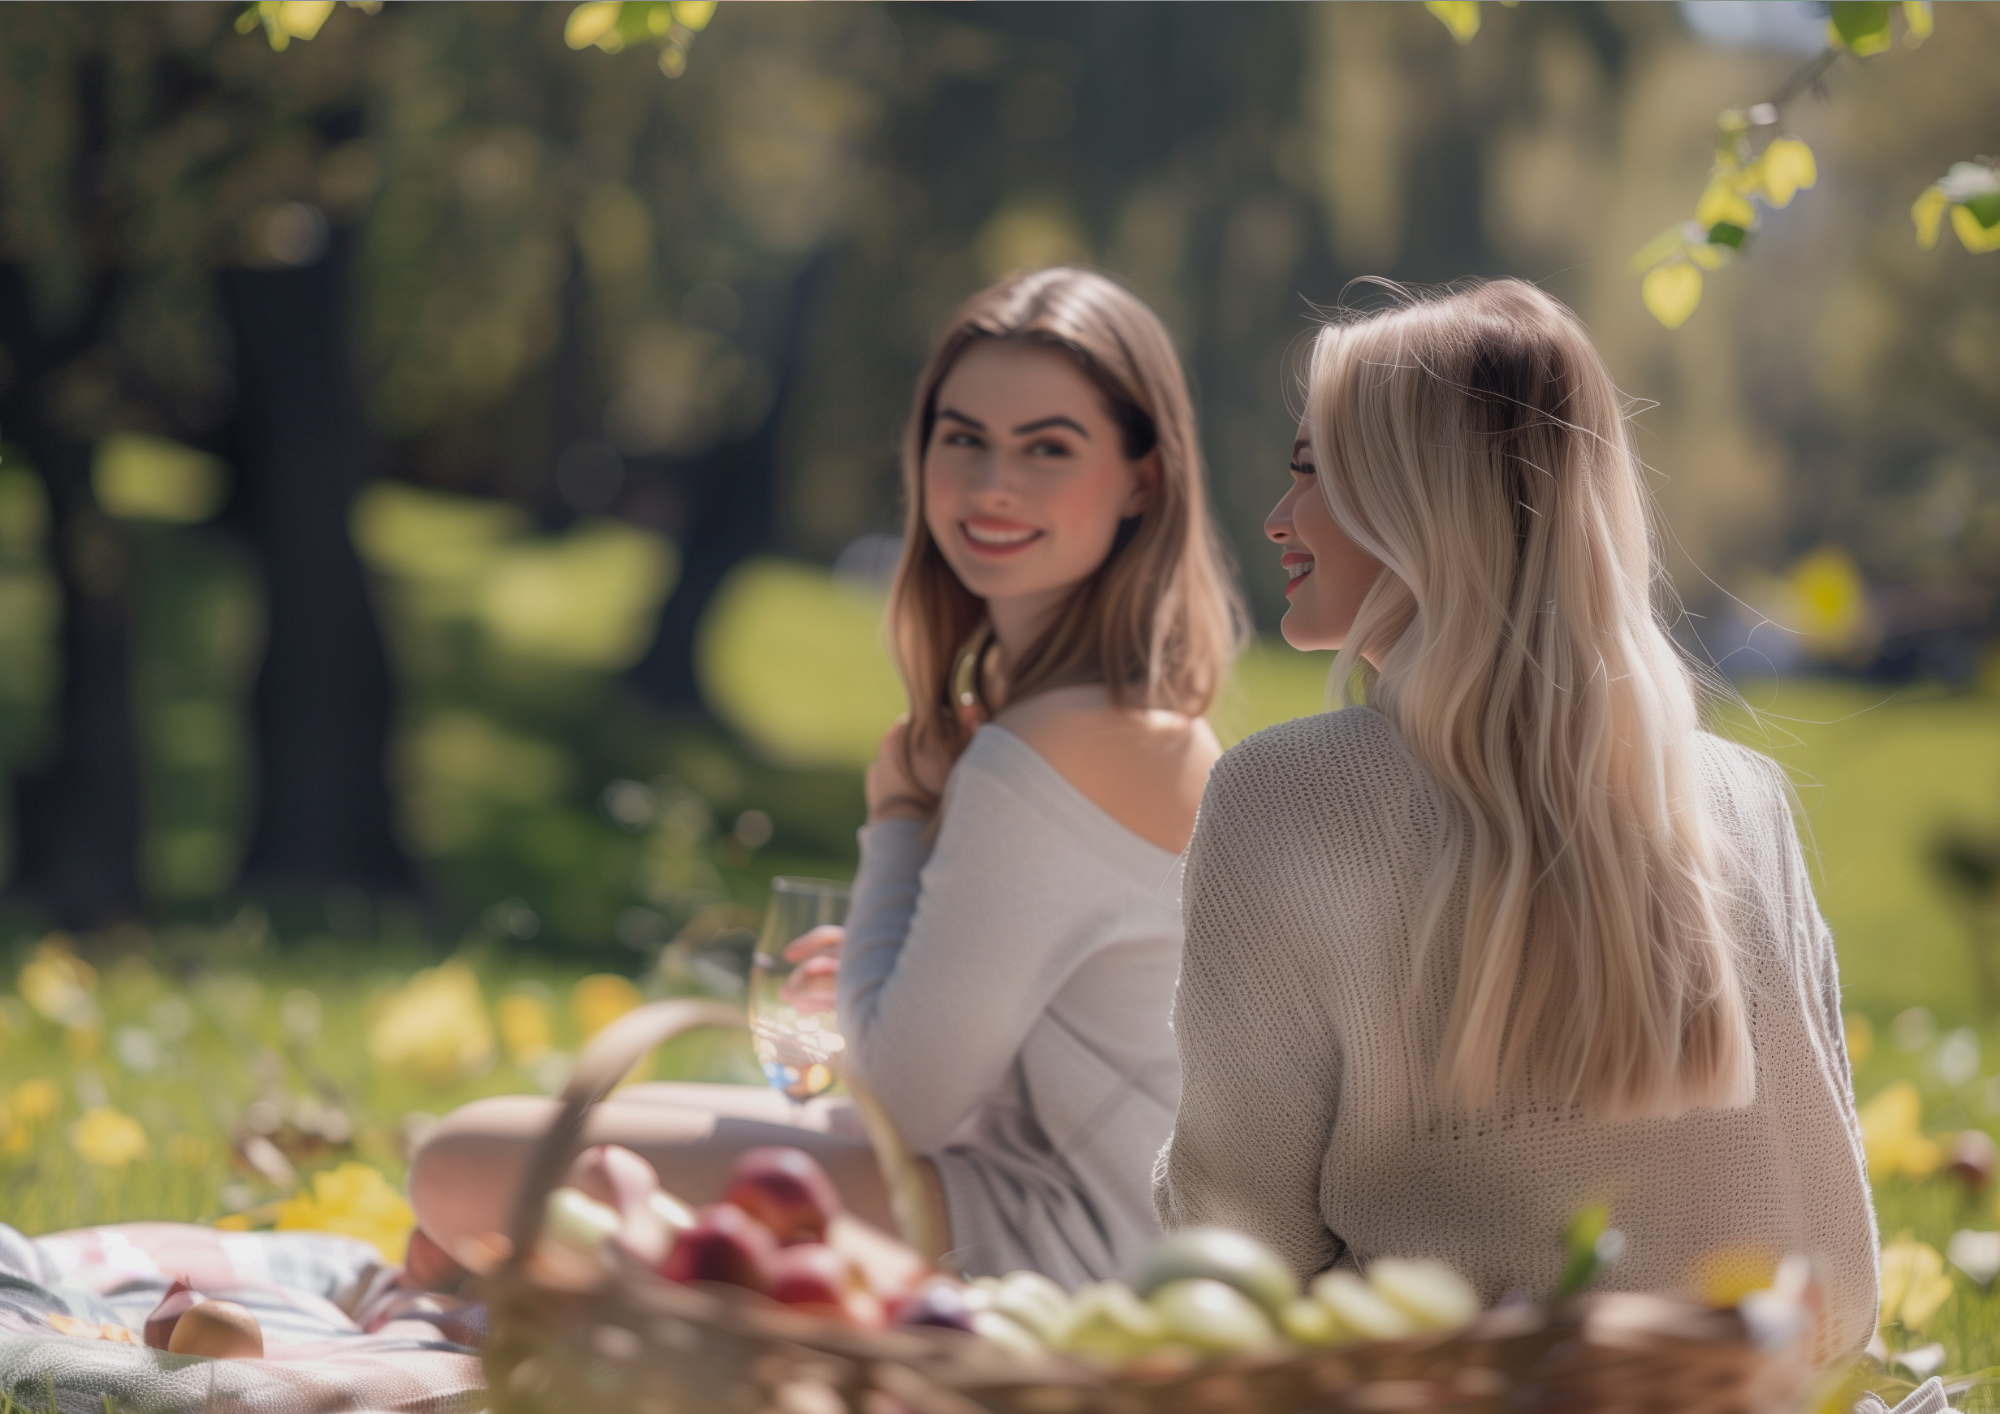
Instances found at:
x=638 y=1344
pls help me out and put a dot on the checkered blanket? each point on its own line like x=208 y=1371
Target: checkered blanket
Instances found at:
x=341 y=1330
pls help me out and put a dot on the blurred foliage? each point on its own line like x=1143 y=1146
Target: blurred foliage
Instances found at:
x=669 y=25
x=139 y=477
x=1970 y=192
x=524 y=776
x=567 y=279
x=200 y=618
x=28 y=612
x=796 y=661
x=1755 y=158
x=286 y=20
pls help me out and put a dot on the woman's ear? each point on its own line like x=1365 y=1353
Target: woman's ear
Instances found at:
x=1146 y=474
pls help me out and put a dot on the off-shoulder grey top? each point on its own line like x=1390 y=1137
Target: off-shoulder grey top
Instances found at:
x=1005 y=991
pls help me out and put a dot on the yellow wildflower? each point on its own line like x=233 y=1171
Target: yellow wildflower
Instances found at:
x=58 y=984
x=108 y=1138
x=1892 y=1136
x=355 y=1201
x=524 y=1027
x=1914 y=1284
x=35 y=1101
x=599 y=1000
x=435 y=1026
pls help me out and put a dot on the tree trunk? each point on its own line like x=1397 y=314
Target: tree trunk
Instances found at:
x=76 y=811
x=324 y=700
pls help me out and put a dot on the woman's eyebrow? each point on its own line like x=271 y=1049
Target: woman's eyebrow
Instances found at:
x=1057 y=421
x=956 y=416
x=1304 y=444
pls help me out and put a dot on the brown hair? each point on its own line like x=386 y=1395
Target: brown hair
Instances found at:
x=1159 y=620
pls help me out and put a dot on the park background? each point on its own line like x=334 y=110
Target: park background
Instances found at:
x=448 y=479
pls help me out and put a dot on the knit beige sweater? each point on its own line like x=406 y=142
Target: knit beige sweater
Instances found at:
x=1307 y=1050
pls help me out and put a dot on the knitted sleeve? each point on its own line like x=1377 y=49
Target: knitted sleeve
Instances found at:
x=1260 y=1061
x=945 y=971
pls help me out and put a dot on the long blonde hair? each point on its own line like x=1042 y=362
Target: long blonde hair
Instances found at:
x=1158 y=622
x=1474 y=443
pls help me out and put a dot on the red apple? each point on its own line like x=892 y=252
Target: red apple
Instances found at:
x=815 y=1277
x=725 y=1244
x=428 y=1267
x=626 y=1183
x=160 y=1325
x=811 y=1274
x=786 y=1190
x=891 y=1268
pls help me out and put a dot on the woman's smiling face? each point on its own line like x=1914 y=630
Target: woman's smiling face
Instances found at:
x=1026 y=478
x=1328 y=574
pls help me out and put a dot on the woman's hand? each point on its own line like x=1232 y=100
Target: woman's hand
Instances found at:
x=814 y=984
x=893 y=792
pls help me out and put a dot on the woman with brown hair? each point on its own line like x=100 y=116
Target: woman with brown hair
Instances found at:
x=1062 y=617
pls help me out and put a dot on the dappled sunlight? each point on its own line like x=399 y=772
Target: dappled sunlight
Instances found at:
x=795 y=660
x=139 y=477
x=584 y=598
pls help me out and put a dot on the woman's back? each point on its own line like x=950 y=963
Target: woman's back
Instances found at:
x=1310 y=1040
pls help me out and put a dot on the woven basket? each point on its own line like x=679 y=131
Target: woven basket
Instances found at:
x=638 y=1344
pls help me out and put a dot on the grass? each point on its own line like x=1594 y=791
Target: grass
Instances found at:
x=217 y=1042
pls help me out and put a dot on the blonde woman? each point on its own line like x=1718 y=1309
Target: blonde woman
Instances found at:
x=1516 y=936
x=1062 y=618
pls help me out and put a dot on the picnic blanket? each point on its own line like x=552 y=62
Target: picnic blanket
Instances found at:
x=342 y=1330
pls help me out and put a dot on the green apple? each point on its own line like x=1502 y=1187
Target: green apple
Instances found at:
x=1360 y=1308
x=1218 y=1254
x=1007 y=1333
x=579 y=1222
x=1309 y=1323
x=1213 y=1316
x=1430 y=1293
x=1109 y=1323
x=1036 y=1303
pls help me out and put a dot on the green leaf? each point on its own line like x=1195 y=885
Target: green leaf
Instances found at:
x=1671 y=292
x=1660 y=247
x=1726 y=233
x=1985 y=208
x=1592 y=1244
x=1863 y=25
x=693 y=14
x=590 y=22
x=1461 y=17
x=1972 y=233
x=1927 y=213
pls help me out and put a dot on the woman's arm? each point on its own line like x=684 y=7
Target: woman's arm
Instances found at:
x=953 y=954
x=1260 y=1063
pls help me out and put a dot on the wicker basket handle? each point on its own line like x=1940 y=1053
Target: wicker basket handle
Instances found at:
x=608 y=1059
x=620 y=1046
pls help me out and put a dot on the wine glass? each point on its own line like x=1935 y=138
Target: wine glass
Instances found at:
x=792 y=999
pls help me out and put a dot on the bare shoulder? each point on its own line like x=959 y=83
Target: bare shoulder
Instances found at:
x=1144 y=768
